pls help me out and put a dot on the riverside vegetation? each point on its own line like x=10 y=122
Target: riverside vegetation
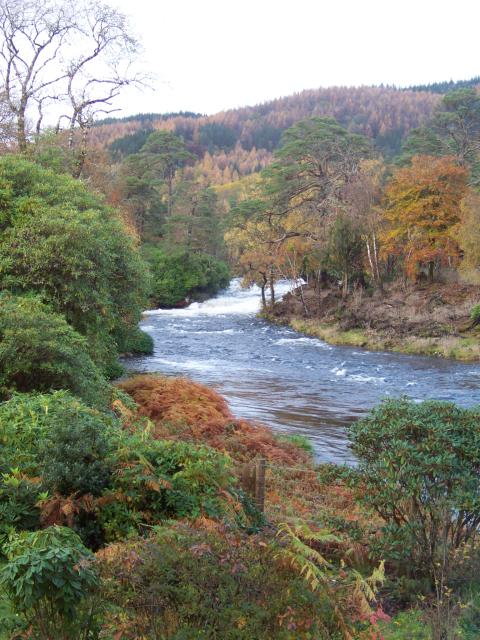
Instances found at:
x=123 y=514
x=385 y=241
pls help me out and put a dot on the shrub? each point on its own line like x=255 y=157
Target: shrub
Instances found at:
x=55 y=463
x=157 y=479
x=186 y=410
x=75 y=454
x=49 y=577
x=203 y=580
x=419 y=470
x=137 y=341
x=65 y=244
x=58 y=439
x=185 y=583
x=19 y=509
x=182 y=274
x=39 y=351
x=475 y=314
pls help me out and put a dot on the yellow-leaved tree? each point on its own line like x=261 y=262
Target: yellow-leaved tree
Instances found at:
x=422 y=211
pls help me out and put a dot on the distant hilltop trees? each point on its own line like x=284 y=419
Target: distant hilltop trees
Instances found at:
x=148 y=117
x=445 y=87
x=384 y=114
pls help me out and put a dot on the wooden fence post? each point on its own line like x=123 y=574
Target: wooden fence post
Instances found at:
x=260 y=485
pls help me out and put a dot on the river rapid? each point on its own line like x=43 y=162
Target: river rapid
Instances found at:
x=285 y=380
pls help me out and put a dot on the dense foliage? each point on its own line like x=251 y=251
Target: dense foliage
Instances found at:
x=383 y=113
x=61 y=242
x=40 y=351
x=183 y=569
x=182 y=276
x=44 y=435
x=422 y=212
x=49 y=577
x=420 y=470
x=71 y=454
x=327 y=209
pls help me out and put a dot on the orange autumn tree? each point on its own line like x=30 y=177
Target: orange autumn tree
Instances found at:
x=423 y=212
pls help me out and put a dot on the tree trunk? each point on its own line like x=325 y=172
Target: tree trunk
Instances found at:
x=323 y=279
x=262 y=288
x=170 y=195
x=431 y=269
x=79 y=164
x=272 y=290
x=345 y=284
x=21 y=133
x=304 y=304
x=375 y=255
x=264 y=298
x=369 y=255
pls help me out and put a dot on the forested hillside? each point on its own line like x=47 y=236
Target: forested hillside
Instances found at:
x=384 y=114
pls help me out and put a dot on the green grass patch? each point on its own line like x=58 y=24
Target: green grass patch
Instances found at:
x=462 y=348
x=299 y=441
x=408 y=625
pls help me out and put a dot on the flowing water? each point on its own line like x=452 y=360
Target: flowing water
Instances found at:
x=290 y=382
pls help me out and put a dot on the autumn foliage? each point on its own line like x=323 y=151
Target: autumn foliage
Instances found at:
x=181 y=409
x=423 y=211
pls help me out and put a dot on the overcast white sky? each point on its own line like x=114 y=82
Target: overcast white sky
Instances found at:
x=210 y=55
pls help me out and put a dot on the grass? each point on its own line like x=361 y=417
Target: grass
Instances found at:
x=407 y=625
x=413 y=624
x=299 y=441
x=462 y=348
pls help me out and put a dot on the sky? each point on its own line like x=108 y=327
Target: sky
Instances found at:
x=211 y=55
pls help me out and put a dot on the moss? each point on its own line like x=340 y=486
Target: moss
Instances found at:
x=455 y=347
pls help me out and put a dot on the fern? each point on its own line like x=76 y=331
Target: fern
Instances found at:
x=302 y=557
x=365 y=589
x=341 y=587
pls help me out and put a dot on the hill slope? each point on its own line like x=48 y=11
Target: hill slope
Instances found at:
x=383 y=113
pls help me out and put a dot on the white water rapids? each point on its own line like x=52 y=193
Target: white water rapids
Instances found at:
x=288 y=381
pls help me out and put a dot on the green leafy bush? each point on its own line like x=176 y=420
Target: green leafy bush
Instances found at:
x=160 y=479
x=75 y=455
x=180 y=275
x=58 y=439
x=55 y=463
x=19 y=509
x=39 y=351
x=419 y=468
x=49 y=578
x=475 y=313
x=137 y=341
x=54 y=443
x=406 y=625
x=65 y=244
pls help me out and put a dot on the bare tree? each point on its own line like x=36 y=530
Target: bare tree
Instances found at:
x=33 y=34
x=70 y=57
x=101 y=67
x=7 y=124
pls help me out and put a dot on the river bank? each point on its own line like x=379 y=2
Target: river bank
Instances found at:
x=294 y=384
x=428 y=321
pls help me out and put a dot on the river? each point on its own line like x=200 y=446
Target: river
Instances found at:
x=290 y=382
